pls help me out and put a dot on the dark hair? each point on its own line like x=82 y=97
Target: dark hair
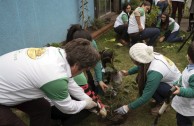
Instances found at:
x=125 y=6
x=190 y=51
x=80 y=51
x=82 y=34
x=76 y=31
x=145 y=3
x=71 y=31
x=164 y=25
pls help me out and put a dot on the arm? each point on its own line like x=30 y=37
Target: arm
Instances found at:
x=98 y=71
x=125 y=19
x=152 y=83
x=188 y=92
x=131 y=71
x=76 y=91
x=138 y=13
x=57 y=92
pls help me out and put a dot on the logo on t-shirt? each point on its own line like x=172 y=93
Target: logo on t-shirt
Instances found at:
x=34 y=53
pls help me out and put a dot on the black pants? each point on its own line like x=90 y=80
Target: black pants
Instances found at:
x=121 y=30
x=69 y=119
x=180 y=6
x=38 y=111
x=184 y=120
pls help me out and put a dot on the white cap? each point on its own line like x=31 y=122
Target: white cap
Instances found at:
x=141 y=53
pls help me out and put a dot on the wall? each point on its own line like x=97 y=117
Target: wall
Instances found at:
x=34 y=23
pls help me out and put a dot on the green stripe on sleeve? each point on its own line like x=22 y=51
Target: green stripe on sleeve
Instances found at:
x=56 y=90
x=80 y=79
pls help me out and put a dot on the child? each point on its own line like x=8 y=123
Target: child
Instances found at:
x=183 y=103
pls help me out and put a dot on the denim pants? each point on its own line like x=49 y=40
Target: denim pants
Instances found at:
x=162 y=92
x=173 y=37
x=148 y=33
x=162 y=6
x=184 y=120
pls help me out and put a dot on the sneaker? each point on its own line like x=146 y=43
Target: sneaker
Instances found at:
x=123 y=42
x=155 y=110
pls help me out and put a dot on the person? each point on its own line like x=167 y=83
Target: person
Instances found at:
x=136 y=27
x=191 y=15
x=156 y=74
x=84 y=80
x=29 y=75
x=121 y=24
x=169 y=29
x=74 y=119
x=183 y=102
x=177 y=4
x=76 y=31
x=162 y=4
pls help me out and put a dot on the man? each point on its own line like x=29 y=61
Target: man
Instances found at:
x=136 y=27
x=28 y=75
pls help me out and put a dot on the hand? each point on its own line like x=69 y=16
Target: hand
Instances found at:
x=140 y=28
x=90 y=103
x=103 y=85
x=177 y=91
x=122 y=110
x=161 y=39
x=124 y=72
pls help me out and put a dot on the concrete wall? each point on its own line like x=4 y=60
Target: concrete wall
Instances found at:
x=34 y=23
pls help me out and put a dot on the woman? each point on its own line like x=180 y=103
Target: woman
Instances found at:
x=76 y=31
x=183 y=103
x=169 y=29
x=156 y=75
x=121 y=23
x=177 y=4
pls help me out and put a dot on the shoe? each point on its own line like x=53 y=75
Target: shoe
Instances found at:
x=155 y=110
x=153 y=103
x=123 y=42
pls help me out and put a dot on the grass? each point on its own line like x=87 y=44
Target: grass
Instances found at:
x=128 y=92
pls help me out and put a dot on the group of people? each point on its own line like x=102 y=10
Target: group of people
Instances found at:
x=132 y=28
x=69 y=93
x=156 y=73
x=56 y=82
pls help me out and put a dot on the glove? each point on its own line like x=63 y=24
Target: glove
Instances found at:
x=90 y=104
x=122 y=110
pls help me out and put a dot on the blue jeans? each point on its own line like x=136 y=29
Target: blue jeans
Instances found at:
x=162 y=6
x=184 y=120
x=173 y=37
x=148 y=33
x=162 y=92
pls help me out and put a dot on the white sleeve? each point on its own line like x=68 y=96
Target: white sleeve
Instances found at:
x=76 y=91
x=69 y=106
